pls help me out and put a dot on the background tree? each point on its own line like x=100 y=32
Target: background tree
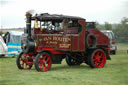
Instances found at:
x=107 y=26
x=121 y=30
x=1 y=32
x=99 y=26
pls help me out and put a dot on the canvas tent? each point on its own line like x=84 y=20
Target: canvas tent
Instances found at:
x=13 y=41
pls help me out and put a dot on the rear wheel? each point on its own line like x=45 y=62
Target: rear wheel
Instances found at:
x=24 y=61
x=73 y=61
x=43 y=62
x=114 y=52
x=97 y=58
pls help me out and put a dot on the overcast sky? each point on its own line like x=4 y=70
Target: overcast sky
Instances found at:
x=12 y=12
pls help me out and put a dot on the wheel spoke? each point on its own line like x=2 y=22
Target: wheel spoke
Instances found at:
x=26 y=66
x=100 y=62
x=22 y=65
x=47 y=60
x=94 y=60
x=44 y=69
x=40 y=66
x=40 y=60
x=21 y=59
x=44 y=65
x=100 y=57
x=95 y=63
x=97 y=54
x=44 y=57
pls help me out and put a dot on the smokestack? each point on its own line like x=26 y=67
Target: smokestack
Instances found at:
x=28 y=23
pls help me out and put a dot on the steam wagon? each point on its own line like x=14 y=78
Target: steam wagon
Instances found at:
x=48 y=39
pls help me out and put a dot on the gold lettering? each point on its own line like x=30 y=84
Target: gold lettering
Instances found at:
x=58 y=39
x=40 y=39
x=49 y=38
x=64 y=45
x=55 y=38
x=51 y=42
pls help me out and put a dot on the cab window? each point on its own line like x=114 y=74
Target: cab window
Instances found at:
x=73 y=27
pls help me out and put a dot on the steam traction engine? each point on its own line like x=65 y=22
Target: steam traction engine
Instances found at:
x=48 y=39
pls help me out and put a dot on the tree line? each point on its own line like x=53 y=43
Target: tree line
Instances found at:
x=120 y=30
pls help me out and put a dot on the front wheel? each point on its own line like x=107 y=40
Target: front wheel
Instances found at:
x=43 y=61
x=97 y=58
x=24 y=61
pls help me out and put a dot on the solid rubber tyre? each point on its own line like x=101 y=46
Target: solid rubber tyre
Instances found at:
x=71 y=62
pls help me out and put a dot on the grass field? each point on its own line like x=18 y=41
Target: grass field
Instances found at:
x=115 y=72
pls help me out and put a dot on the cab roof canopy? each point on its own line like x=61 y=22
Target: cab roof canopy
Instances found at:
x=46 y=16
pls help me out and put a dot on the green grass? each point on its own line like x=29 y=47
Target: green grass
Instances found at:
x=115 y=72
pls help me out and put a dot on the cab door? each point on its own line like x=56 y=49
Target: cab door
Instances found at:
x=78 y=39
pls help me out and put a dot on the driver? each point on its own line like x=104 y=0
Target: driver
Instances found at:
x=50 y=26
